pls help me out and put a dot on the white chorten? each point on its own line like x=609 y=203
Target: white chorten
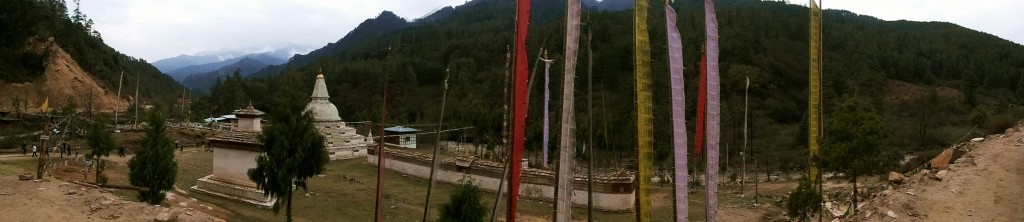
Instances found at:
x=342 y=142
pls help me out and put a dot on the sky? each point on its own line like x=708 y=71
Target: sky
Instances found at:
x=1001 y=18
x=159 y=29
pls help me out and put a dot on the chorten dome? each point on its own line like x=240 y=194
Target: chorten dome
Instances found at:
x=322 y=109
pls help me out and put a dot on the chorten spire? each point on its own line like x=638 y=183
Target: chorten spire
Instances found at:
x=320 y=89
x=322 y=108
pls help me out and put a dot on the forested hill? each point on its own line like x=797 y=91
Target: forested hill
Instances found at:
x=21 y=20
x=385 y=23
x=932 y=80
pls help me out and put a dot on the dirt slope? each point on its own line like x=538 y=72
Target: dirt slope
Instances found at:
x=55 y=200
x=62 y=80
x=986 y=184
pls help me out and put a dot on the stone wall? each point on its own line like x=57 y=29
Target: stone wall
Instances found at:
x=611 y=192
x=226 y=189
x=342 y=141
x=233 y=165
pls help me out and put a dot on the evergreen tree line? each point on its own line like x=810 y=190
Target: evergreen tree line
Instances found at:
x=930 y=81
x=22 y=20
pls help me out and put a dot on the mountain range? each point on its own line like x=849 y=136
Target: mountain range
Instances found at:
x=905 y=69
x=182 y=66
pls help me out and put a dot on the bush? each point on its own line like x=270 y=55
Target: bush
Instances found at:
x=464 y=204
x=803 y=201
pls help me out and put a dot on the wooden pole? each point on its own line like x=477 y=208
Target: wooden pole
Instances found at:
x=43 y=138
x=117 y=104
x=590 y=120
x=381 y=149
x=437 y=148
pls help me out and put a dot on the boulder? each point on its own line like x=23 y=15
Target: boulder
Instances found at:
x=965 y=161
x=942 y=160
x=896 y=178
x=891 y=214
x=166 y=217
x=942 y=174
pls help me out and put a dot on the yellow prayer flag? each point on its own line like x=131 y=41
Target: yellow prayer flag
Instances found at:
x=814 y=103
x=46 y=105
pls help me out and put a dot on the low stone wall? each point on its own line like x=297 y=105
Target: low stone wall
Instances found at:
x=226 y=189
x=611 y=192
x=350 y=153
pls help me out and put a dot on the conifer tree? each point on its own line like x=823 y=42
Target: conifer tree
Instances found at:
x=855 y=142
x=101 y=144
x=293 y=151
x=464 y=205
x=153 y=165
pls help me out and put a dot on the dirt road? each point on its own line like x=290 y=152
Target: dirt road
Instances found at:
x=989 y=189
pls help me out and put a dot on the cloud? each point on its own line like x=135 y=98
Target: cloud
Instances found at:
x=157 y=29
x=154 y=30
x=996 y=17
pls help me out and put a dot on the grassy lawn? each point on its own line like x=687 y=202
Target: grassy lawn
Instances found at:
x=346 y=192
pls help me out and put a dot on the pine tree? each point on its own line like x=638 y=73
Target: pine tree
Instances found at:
x=855 y=142
x=153 y=165
x=101 y=144
x=464 y=205
x=803 y=201
x=293 y=151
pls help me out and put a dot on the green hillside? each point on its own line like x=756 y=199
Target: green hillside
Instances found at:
x=933 y=81
x=24 y=19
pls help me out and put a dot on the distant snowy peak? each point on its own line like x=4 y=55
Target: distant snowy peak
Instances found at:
x=282 y=52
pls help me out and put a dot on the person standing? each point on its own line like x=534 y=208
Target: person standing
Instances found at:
x=34 y=150
x=120 y=151
x=24 y=149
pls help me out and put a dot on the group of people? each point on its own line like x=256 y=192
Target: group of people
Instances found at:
x=64 y=149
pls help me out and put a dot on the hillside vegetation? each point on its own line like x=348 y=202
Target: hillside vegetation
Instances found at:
x=932 y=81
x=22 y=20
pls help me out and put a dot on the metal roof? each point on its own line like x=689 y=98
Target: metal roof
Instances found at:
x=400 y=129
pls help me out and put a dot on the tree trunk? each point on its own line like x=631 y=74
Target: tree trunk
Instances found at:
x=98 y=162
x=288 y=211
x=854 y=211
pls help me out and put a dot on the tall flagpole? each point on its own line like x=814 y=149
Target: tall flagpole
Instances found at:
x=381 y=150
x=675 y=57
x=138 y=77
x=519 y=111
x=117 y=104
x=567 y=142
x=644 y=115
x=713 y=104
x=814 y=90
x=504 y=138
x=437 y=148
x=547 y=99
x=590 y=123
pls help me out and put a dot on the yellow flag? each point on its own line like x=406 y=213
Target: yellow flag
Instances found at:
x=814 y=103
x=46 y=104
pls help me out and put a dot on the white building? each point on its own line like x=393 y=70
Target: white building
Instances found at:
x=234 y=153
x=342 y=142
x=401 y=136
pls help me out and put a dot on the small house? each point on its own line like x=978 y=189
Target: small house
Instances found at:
x=401 y=136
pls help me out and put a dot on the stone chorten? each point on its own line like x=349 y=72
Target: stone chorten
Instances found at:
x=234 y=153
x=341 y=141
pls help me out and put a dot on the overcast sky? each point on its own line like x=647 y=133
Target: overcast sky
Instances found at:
x=158 y=29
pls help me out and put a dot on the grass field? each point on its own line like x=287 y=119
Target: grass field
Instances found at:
x=346 y=192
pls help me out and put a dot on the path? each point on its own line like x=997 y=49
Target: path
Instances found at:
x=993 y=190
